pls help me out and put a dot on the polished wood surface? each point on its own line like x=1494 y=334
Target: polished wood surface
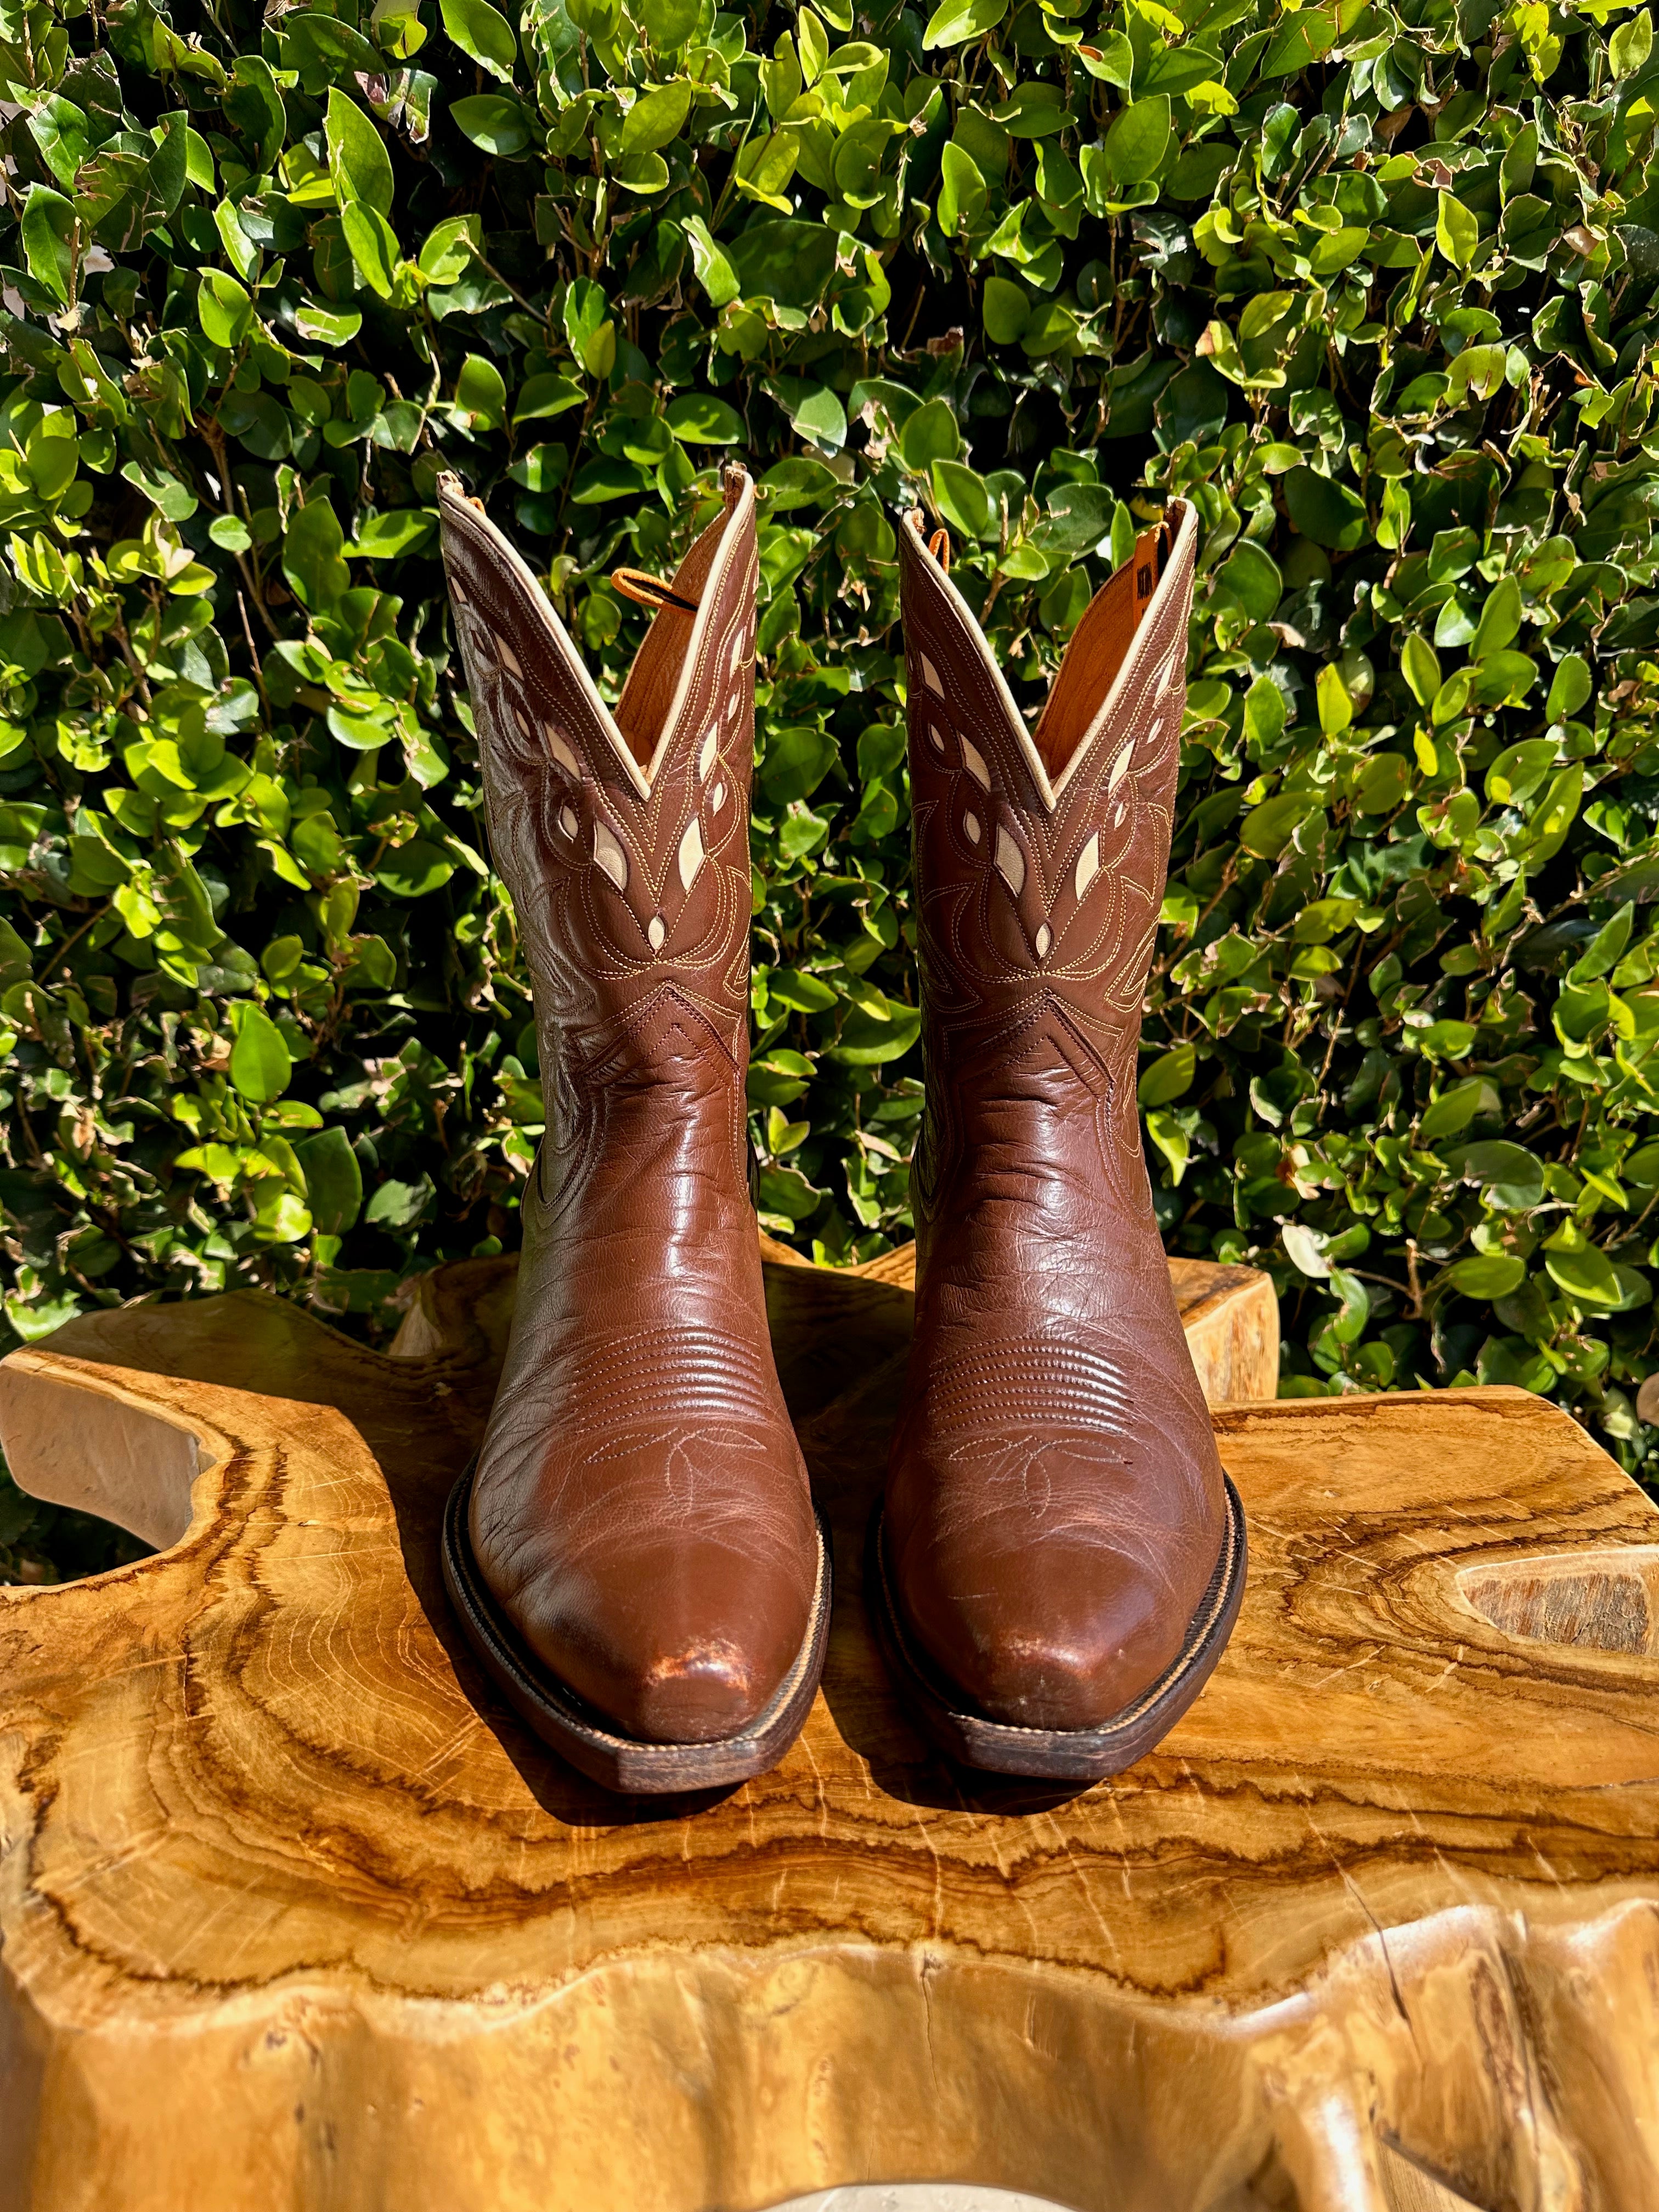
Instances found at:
x=293 y=1915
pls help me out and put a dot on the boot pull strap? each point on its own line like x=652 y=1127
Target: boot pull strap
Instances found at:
x=648 y=590
x=939 y=544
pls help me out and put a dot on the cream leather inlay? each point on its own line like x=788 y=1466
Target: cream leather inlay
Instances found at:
x=706 y=757
x=690 y=853
x=610 y=856
x=656 y=933
x=1088 y=865
x=970 y=823
x=561 y=752
x=930 y=678
x=974 y=761
x=1010 y=862
x=567 y=820
x=1119 y=766
x=1045 y=938
x=509 y=659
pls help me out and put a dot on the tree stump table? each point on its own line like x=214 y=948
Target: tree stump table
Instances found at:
x=292 y=1915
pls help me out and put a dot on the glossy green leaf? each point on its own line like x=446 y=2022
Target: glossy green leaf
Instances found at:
x=1586 y=1275
x=374 y=245
x=868 y=1041
x=699 y=419
x=334 y=1181
x=1323 y=510
x=961 y=496
x=1006 y=310
x=412 y=871
x=492 y=121
x=1169 y=1078
x=48 y=237
x=481 y=393
x=223 y=308
x=483 y=32
x=1138 y=140
x=789 y=261
x=312 y=556
x=1487 y=1275
x=357 y=159
x=954 y=22
x=261 y=1067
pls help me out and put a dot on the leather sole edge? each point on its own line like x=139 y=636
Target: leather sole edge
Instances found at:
x=568 y=1726
x=1061 y=1754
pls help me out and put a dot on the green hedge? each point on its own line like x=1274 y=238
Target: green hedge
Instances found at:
x=1375 y=286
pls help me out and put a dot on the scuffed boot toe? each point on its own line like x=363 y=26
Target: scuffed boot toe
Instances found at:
x=1057 y=1638
x=676 y=1651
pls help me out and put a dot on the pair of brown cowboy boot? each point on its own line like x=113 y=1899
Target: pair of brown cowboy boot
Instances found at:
x=634 y=1553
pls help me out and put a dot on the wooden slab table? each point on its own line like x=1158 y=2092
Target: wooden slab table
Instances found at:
x=291 y=1915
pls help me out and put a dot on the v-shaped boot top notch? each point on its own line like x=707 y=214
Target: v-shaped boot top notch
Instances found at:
x=1099 y=654
x=642 y=727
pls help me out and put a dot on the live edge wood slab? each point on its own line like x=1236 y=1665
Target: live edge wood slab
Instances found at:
x=293 y=1916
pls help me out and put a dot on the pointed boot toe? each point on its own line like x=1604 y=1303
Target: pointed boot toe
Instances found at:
x=1059 y=1558
x=633 y=1554
x=685 y=1642
x=1050 y=1621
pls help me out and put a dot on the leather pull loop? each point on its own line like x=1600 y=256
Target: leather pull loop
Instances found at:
x=939 y=544
x=648 y=590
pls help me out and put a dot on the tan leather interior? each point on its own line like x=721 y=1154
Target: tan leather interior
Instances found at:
x=1096 y=653
x=652 y=680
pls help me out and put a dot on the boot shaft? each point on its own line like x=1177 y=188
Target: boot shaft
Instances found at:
x=1040 y=858
x=623 y=838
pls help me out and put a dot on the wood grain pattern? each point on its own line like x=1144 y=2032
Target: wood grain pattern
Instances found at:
x=289 y=1919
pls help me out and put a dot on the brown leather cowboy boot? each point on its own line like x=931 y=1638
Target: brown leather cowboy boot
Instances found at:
x=1061 y=1558
x=634 y=1553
